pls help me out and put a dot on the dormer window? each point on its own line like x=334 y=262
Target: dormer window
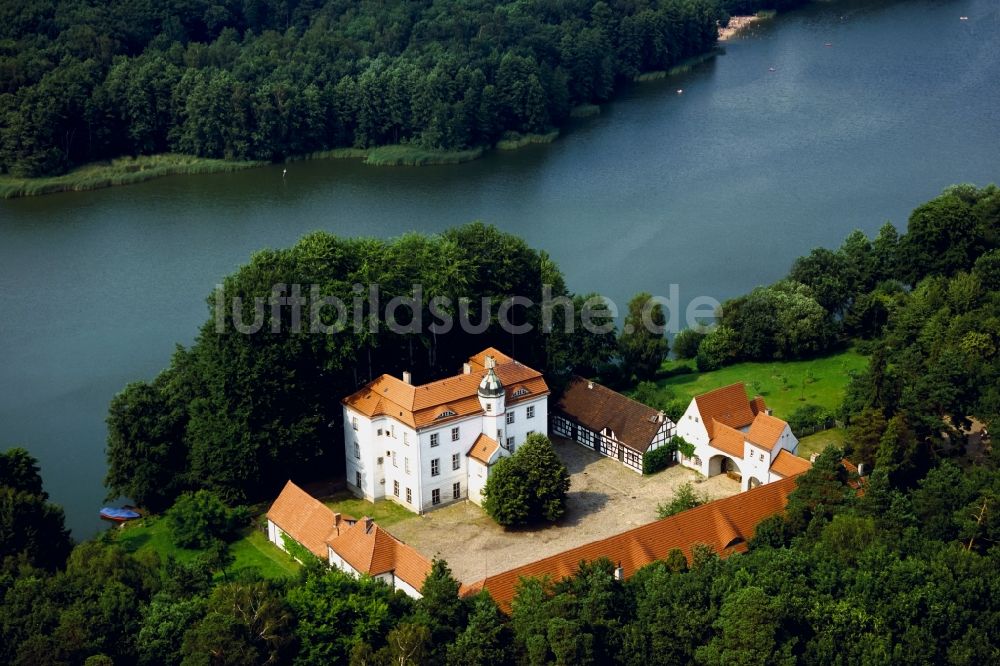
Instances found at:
x=445 y=414
x=520 y=392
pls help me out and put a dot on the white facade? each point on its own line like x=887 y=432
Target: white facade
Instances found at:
x=393 y=581
x=753 y=466
x=388 y=459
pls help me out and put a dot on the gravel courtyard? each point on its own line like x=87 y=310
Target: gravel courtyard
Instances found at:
x=605 y=498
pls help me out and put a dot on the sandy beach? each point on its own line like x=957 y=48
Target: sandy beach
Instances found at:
x=735 y=25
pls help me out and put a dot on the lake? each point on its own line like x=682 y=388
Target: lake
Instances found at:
x=871 y=109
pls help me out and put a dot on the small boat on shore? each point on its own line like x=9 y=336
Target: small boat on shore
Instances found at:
x=117 y=515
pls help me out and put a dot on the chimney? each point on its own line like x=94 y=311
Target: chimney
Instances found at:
x=619 y=572
x=813 y=457
x=590 y=385
x=862 y=469
x=407 y=377
x=662 y=416
x=368 y=524
x=336 y=519
x=490 y=363
x=466 y=369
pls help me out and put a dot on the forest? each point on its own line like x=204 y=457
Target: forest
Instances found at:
x=903 y=572
x=89 y=80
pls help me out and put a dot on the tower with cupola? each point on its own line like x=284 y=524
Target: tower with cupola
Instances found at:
x=492 y=397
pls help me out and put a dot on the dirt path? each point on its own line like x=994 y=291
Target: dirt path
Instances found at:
x=605 y=498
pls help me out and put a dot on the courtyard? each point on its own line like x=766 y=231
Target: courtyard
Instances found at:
x=605 y=498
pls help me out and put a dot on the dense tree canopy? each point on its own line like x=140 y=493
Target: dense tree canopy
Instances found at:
x=32 y=529
x=87 y=80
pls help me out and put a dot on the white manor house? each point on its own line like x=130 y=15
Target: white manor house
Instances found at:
x=429 y=445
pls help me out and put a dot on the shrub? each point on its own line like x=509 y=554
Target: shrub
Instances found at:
x=529 y=486
x=200 y=518
x=658 y=459
x=686 y=343
x=685 y=498
x=717 y=349
x=809 y=418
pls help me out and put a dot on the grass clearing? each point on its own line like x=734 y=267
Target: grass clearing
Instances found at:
x=119 y=171
x=384 y=512
x=251 y=551
x=785 y=385
x=254 y=551
x=819 y=441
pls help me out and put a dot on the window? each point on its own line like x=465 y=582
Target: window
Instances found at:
x=456 y=490
x=454 y=434
x=456 y=461
x=357 y=450
x=354 y=422
x=406 y=465
x=409 y=496
x=406 y=438
x=489 y=407
x=392 y=431
x=357 y=479
x=395 y=488
x=435 y=467
x=510 y=443
x=519 y=392
x=394 y=463
x=762 y=457
x=435 y=497
x=380 y=432
x=434 y=439
x=531 y=411
x=510 y=416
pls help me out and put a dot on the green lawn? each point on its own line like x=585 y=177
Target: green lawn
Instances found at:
x=816 y=443
x=785 y=385
x=252 y=551
x=384 y=512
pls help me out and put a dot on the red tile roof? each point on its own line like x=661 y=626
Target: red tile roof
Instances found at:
x=788 y=464
x=765 y=431
x=724 y=525
x=728 y=405
x=483 y=449
x=727 y=439
x=303 y=518
x=445 y=399
x=597 y=407
x=370 y=549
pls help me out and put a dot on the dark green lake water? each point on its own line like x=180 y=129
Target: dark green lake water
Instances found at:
x=716 y=190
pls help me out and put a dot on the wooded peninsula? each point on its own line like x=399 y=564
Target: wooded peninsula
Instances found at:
x=82 y=82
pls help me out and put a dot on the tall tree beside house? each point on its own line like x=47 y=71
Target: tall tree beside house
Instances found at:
x=528 y=487
x=642 y=344
x=441 y=610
